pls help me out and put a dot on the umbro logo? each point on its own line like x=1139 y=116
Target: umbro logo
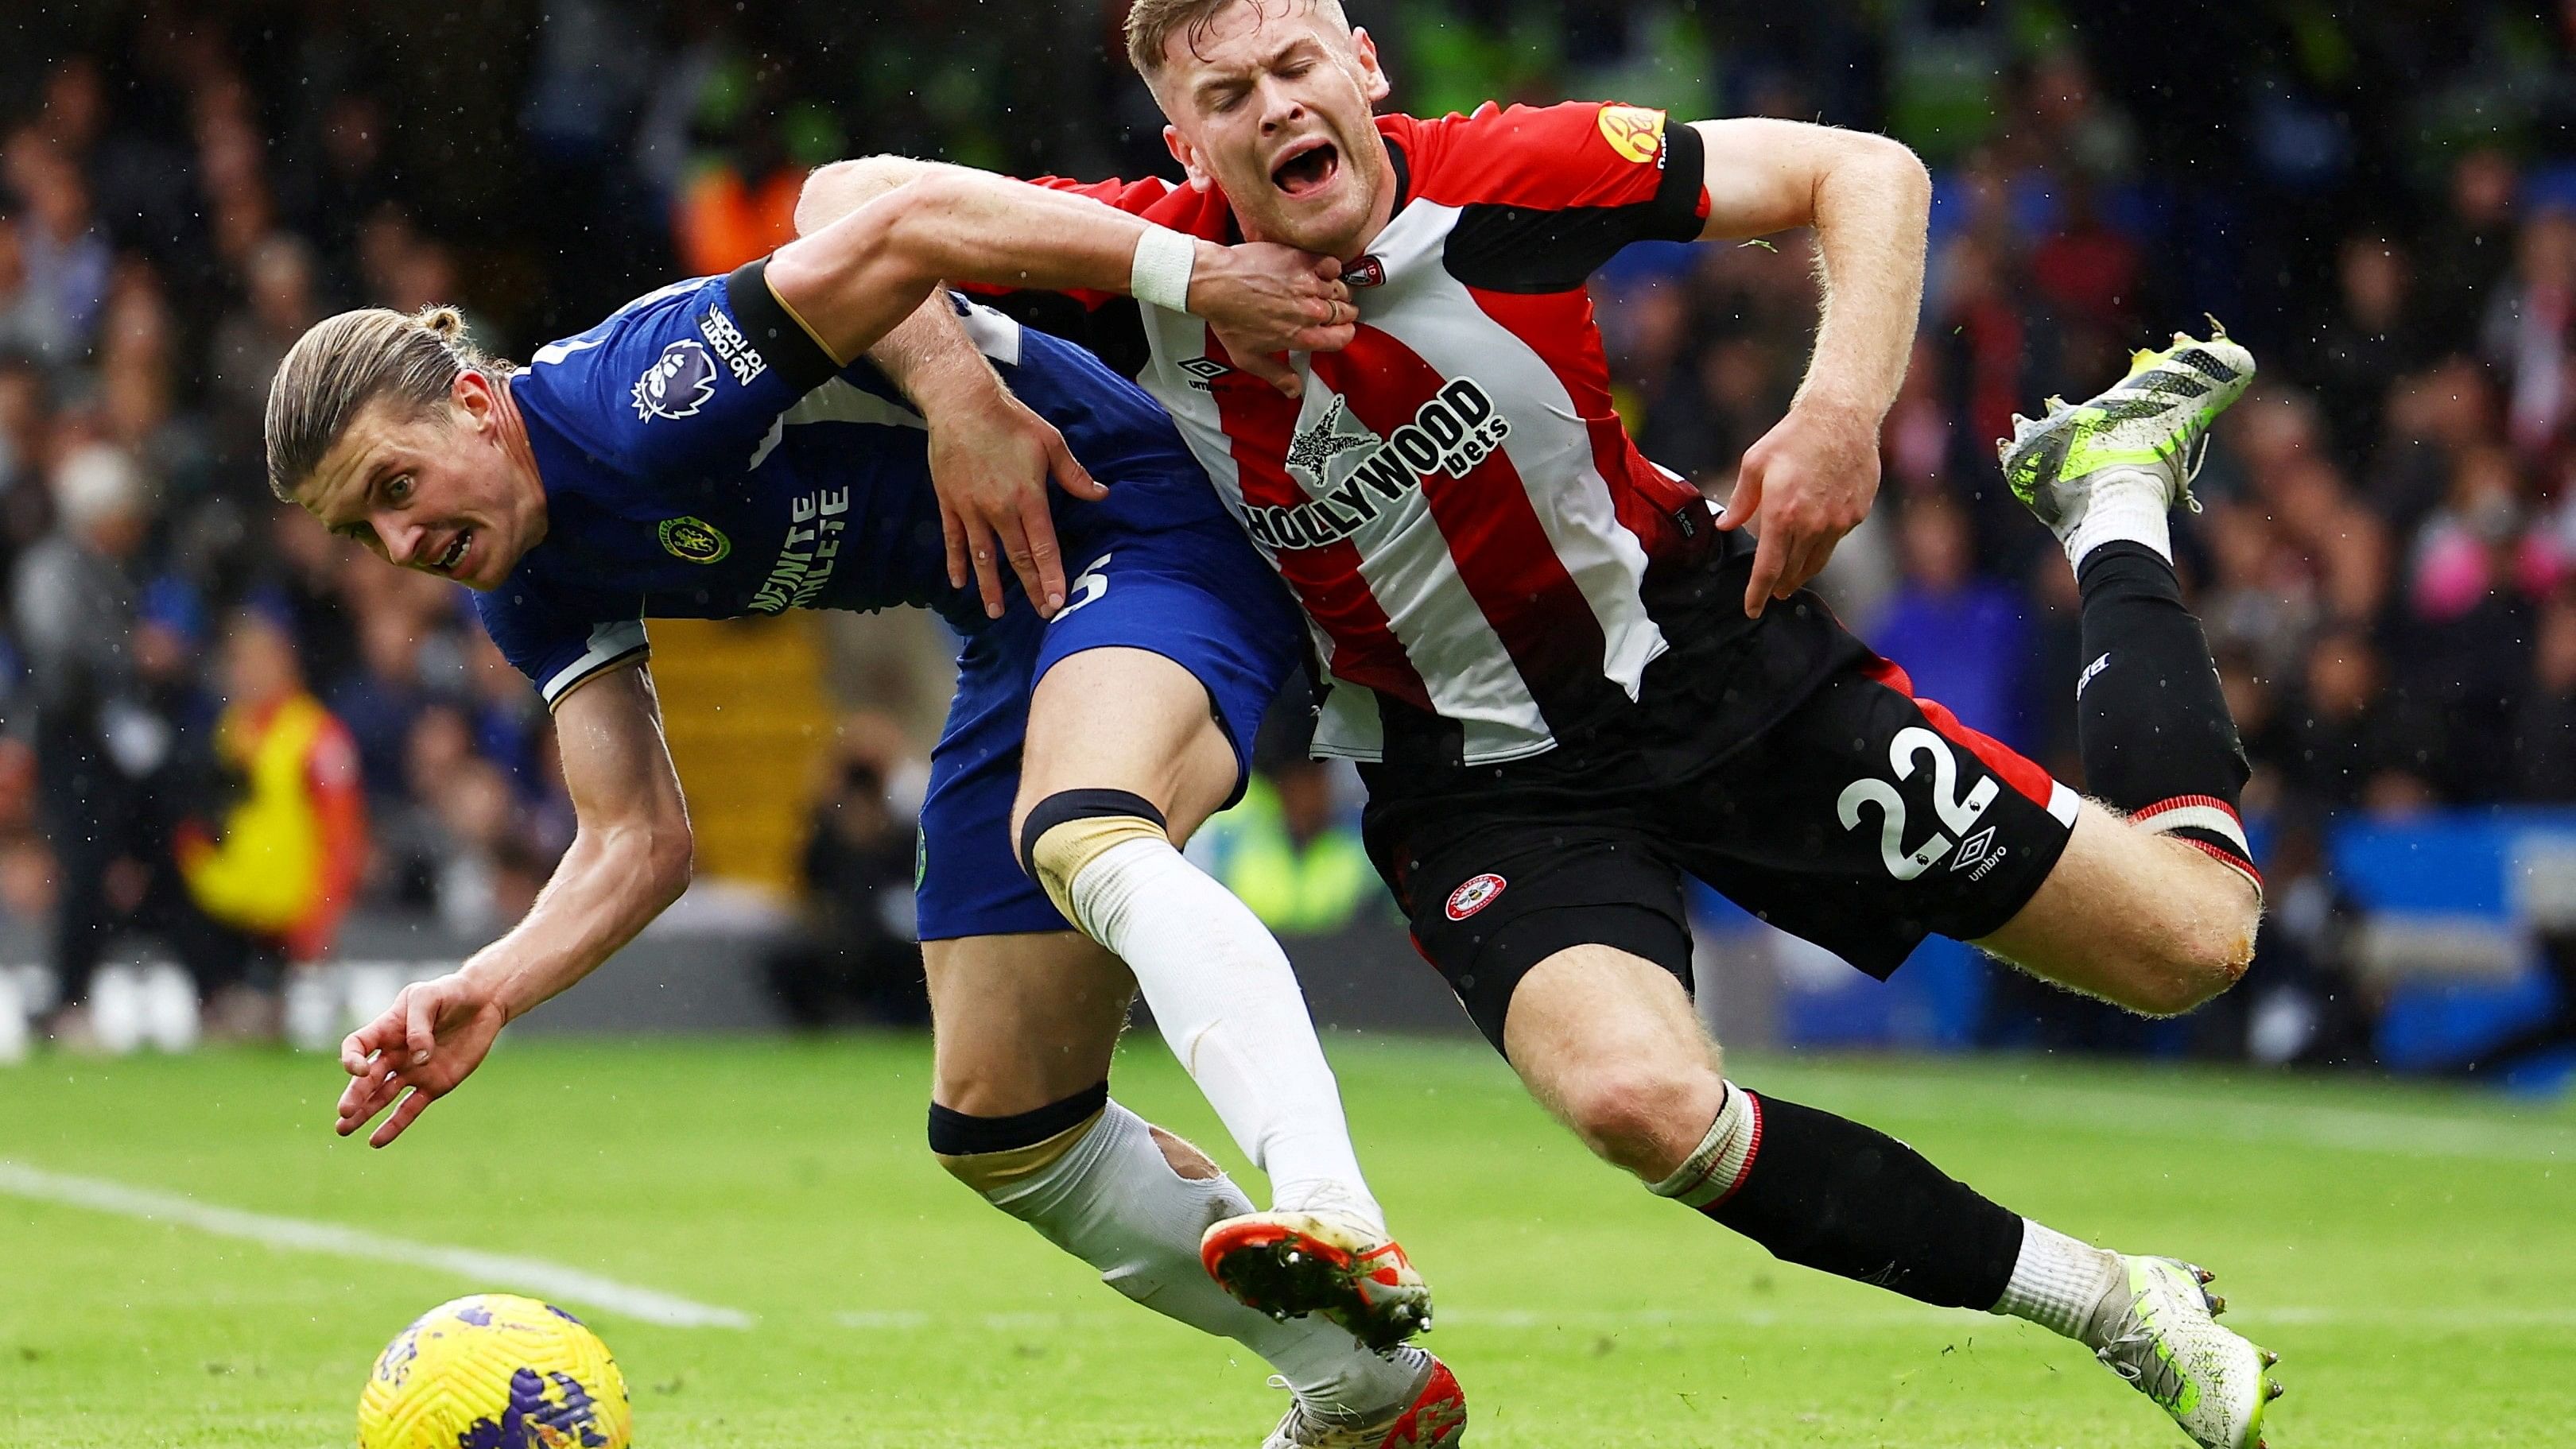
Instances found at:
x=1974 y=849
x=1202 y=371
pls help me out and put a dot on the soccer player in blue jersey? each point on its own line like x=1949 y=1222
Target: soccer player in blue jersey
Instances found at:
x=751 y=443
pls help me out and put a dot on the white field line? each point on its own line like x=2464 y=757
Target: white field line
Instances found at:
x=2137 y=1114
x=494 y=1270
x=1598 y=1320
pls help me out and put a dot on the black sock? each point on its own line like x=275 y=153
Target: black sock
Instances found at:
x=2151 y=720
x=1827 y=1193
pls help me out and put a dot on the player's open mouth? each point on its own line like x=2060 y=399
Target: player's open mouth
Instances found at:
x=456 y=551
x=1308 y=167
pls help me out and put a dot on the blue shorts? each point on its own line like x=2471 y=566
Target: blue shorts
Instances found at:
x=1195 y=593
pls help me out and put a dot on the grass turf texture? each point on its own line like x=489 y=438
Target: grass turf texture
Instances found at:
x=2411 y=1252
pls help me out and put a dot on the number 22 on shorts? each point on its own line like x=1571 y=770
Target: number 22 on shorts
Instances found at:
x=1958 y=812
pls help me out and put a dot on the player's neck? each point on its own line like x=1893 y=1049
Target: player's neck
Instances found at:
x=1381 y=206
x=513 y=427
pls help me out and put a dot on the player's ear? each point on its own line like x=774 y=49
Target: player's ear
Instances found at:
x=1373 y=81
x=1186 y=154
x=471 y=394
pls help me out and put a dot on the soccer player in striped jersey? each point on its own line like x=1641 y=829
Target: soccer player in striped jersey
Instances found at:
x=722 y=447
x=1569 y=682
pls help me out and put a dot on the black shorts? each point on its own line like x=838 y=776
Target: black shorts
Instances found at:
x=1859 y=817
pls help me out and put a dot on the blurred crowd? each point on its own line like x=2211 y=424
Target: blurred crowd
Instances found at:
x=205 y=695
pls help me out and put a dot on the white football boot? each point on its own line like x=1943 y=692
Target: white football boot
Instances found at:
x=2151 y=421
x=2160 y=1333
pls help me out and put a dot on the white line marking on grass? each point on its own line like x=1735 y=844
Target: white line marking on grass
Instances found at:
x=2141 y=1114
x=1614 y=1319
x=552 y=1280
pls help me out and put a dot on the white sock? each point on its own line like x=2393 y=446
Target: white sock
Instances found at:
x=2124 y=503
x=1716 y=1168
x=1114 y=1201
x=1230 y=1007
x=2058 y=1282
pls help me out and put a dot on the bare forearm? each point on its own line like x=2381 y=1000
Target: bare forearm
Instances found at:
x=1870 y=215
x=609 y=886
x=928 y=355
x=965 y=225
x=859 y=277
x=879 y=236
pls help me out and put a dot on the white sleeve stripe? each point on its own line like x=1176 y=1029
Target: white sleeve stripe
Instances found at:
x=609 y=643
x=2211 y=818
x=2063 y=803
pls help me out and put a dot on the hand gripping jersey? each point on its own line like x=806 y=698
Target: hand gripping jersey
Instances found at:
x=703 y=458
x=1454 y=501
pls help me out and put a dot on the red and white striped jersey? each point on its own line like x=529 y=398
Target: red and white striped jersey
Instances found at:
x=1453 y=499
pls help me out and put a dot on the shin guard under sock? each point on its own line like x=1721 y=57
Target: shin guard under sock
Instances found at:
x=2151 y=720
x=1827 y=1193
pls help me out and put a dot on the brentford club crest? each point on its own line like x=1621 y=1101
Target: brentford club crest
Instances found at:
x=1475 y=895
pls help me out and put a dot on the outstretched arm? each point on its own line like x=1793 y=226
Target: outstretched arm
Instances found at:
x=853 y=278
x=628 y=861
x=1811 y=479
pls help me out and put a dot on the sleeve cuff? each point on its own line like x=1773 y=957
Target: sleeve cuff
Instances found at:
x=610 y=646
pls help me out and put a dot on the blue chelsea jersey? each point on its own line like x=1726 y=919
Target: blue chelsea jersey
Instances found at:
x=703 y=457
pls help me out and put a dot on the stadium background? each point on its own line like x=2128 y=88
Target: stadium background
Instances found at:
x=2380 y=198
x=2383 y=206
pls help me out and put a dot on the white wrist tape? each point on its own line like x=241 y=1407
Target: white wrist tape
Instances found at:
x=1160 y=275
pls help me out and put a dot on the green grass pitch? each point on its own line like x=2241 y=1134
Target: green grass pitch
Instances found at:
x=2411 y=1252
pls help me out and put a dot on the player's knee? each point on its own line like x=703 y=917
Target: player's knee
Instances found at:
x=1065 y=832
x=993 y=1154
x=1643 y=1117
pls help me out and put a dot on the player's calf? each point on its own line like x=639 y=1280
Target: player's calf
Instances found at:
x=1609 y=1042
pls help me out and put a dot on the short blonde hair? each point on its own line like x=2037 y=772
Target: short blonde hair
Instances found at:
x=1152 y=23
x=344 y=363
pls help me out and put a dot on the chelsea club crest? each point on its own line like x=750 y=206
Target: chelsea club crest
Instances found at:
x=694 y=539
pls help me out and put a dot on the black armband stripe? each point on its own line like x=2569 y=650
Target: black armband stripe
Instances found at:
x=1536 y=251
x=799 y=357
x=955 y=1134
x=1675 y=213
x=1066 y=805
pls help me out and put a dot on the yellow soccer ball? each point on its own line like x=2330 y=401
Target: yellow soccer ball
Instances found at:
x=495 y=1371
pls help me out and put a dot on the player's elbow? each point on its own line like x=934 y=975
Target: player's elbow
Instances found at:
x=670 y=861
x=1900 y=170
x=837 y=188
x=654 y=850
